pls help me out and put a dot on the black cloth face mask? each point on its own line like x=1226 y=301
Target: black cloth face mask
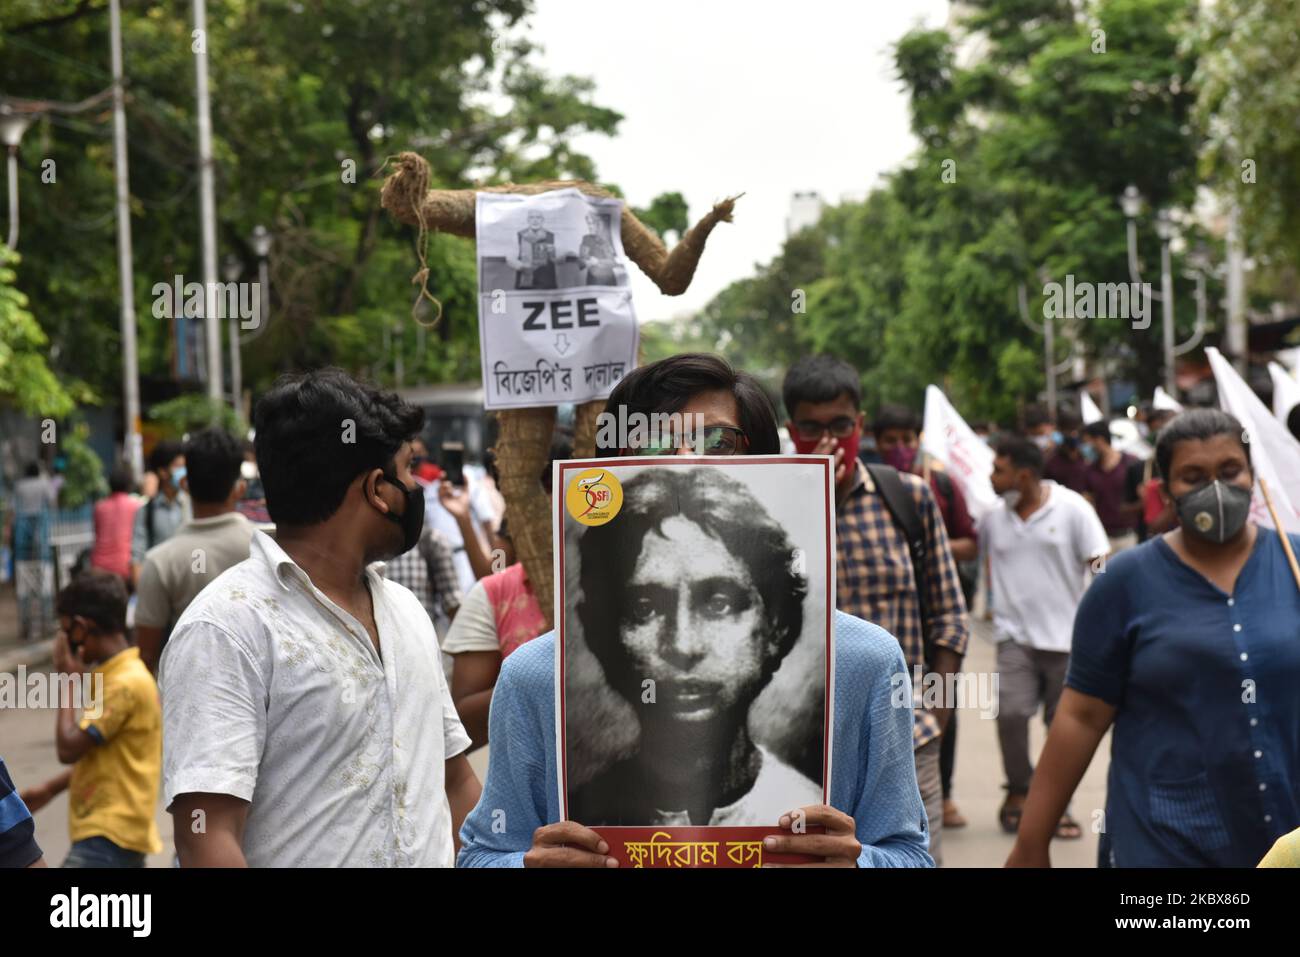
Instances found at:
x=1215 y=512
x=412 y=519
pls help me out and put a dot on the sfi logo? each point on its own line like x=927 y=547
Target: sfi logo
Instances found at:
x=594 y=496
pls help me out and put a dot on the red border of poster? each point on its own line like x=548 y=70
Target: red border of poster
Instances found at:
x=667 y=846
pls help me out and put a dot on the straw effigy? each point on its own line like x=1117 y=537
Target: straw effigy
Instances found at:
x=524 y=441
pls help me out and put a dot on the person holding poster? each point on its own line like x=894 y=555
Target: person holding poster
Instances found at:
x=874 y=817
x=693 y=590
x=1188 y=645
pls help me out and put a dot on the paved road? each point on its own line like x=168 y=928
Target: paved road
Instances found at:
x=27 y=744
x=978 y=780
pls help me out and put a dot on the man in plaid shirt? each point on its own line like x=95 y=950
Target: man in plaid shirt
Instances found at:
x=429 y=572
x=874 y=575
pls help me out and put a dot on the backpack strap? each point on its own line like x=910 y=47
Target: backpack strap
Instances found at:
x=902 y=509
x=150 y=533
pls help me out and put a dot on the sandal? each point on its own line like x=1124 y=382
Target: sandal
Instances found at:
x=1009 y=817
x=1068 y=829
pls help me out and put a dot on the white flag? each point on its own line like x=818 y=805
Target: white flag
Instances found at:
x=1274 y=452
x=1286 y=391
x=1163 y=400
x=965 y=456
x=1089 y=409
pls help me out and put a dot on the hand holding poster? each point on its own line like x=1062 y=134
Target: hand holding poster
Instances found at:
x=694 y=655
x=1274 y=452
x=555 y=309
x=965 y=456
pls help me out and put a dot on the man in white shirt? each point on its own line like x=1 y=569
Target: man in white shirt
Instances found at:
x=1042 y=546
x=307 y=719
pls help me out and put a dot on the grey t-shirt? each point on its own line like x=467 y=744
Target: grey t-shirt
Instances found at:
x=177 y=570
x=168 y=516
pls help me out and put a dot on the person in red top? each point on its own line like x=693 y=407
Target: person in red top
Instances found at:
x=898 y=439
x=114 y=518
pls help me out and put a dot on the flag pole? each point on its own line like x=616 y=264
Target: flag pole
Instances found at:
x=1281 y=533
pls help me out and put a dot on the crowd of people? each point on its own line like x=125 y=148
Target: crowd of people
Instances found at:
x=321 y=632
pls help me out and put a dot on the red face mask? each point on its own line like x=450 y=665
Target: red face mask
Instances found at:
x=849 y=445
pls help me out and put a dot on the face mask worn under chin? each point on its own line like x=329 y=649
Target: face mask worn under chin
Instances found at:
x=1011 y=496
x=1215 y=512
x=412 y=518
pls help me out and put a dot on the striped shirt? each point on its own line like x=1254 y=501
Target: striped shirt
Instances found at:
x=875 y=580
x=18 y=847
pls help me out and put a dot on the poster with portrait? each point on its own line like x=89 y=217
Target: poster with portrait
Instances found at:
x=694 y=661
x=556 y=322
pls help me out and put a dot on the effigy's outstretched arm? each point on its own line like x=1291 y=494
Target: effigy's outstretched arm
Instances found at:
x=407 y=196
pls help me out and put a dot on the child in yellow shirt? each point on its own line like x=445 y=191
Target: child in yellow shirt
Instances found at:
x=116 y=745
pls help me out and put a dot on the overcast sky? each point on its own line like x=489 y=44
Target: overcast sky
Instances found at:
x=765 y=97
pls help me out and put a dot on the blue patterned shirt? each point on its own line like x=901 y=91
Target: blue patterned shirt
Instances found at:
x=18 y=846
x=873 y=776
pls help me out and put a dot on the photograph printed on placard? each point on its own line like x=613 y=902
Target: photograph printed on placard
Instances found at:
x=695 y=644
x=551 y=241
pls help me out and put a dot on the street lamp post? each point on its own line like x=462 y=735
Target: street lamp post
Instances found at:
x=134 y=443
x=1051 y=368
x=1131 y=203
x=261 y=243
x=1165 y=230
x=207 y=204
x=12 y=127
x=232 y=267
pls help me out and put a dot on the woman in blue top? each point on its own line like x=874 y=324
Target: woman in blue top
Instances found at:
x=1189 y=645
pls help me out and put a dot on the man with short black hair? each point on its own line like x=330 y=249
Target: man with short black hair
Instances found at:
x=215 y=539
x=1104 y=486
x=168 y=509
x=876 y=577
x=1041 y=546
x=308 y=719
x=1065 y=464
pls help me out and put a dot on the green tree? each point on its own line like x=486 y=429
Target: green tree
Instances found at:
x=1024 y=153
x=26 y=381
x=308 y=99
x=1249 y=82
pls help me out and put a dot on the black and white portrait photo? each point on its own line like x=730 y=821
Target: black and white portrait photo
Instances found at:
x=557 y=240
x=535 y=264
x=695 y=646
